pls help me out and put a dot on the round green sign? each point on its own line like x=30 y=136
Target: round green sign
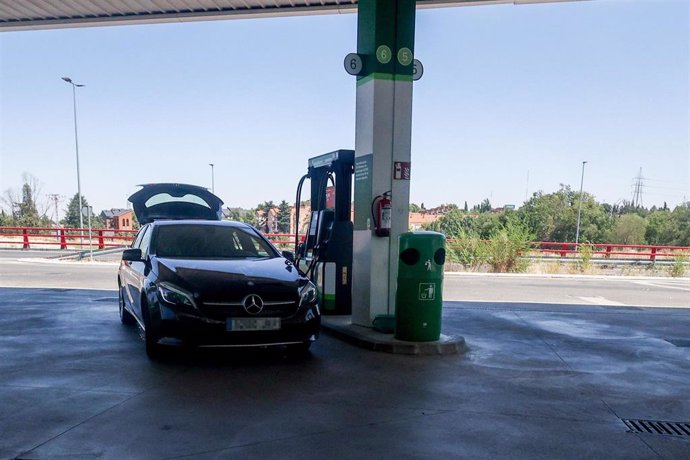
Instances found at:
x=404 y=56
x=383 y=54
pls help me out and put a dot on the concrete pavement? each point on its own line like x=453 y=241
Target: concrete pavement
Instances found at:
x=568 y=289
x=539 y=381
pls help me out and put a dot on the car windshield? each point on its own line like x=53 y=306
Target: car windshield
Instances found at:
x=210 y=242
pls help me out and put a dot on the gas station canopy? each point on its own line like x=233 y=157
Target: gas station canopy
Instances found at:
x=47 y=14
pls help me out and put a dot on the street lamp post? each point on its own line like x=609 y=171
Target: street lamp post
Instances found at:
x=579 y=208
x=213 y=180
x=76 y=144
x=89 y=210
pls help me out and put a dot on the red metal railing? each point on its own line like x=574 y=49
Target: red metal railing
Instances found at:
x=284 y=240
x=75 y=238
x=618 y=250
x=64 y=238
x=101 y=238
x=607 y=250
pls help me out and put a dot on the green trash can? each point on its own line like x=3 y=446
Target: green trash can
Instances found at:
x=418 y=299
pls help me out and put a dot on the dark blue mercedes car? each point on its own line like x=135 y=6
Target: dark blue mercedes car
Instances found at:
x=191 y=277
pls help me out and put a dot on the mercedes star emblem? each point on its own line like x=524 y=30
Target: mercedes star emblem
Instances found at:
x=253 y=304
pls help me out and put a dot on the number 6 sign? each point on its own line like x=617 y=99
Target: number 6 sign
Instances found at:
x=353 y=64
x=417 y=70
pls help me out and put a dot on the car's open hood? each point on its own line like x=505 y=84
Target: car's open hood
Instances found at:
x=174 y=202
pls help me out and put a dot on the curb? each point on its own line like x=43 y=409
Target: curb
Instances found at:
x=341 y=327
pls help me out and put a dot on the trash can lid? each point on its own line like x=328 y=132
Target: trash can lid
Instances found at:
x=425 y=236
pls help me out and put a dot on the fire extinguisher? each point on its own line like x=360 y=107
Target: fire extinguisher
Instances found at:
x=381 y=214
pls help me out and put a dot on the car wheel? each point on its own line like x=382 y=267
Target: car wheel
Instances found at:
x=151 y=337
x=125 y=316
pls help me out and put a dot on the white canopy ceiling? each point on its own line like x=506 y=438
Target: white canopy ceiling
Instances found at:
x=45 y=14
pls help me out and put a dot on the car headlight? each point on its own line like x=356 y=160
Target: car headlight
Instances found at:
x=175 y=295
x=307 y=294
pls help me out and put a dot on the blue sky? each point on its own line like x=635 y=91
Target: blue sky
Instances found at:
x=507 y=91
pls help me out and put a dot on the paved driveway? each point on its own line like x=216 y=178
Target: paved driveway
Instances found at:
x=540 y=381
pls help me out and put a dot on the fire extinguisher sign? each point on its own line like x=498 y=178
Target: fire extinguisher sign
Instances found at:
x=401 y=170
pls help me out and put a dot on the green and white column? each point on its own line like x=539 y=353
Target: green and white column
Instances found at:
x=385 y=42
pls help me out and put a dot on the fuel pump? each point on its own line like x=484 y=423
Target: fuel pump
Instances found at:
x=325 y=255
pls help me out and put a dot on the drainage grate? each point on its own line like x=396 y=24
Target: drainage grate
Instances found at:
x=658 y=427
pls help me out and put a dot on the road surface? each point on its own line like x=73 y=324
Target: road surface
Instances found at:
x=483 y=287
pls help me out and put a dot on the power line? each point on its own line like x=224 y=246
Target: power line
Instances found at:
x=55 y=198
x=637 y=194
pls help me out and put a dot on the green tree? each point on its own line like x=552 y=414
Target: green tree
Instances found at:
x=629 y=229
x=484 y=206
x=681 y=224
x=553 y=216
x=454 y=224
x=73 y=211
x=252 y=218
x=415 y=207
x=27 y=214
x=23 y=205
x=486 y=224
x=5 y=219
x=96 y=221
x=660 y=228
x=457 y=224
x=595 y=224
x=283 y=217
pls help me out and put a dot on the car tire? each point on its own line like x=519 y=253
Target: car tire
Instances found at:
x=153 y=349
x=126 y=317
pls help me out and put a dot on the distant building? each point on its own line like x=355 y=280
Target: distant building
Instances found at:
x=439 y=210
x=267 y=222
x=118 y=219
x=508 y=207
x=428 y=216
x=304 y=215
x=418 y=219
x=235 y=213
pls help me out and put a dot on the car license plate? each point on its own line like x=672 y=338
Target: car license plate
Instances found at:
x=252 y=324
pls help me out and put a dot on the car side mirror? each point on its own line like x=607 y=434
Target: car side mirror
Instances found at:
x=132 y=255
x=289 y=255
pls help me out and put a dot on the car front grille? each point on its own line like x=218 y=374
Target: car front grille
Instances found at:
x=271 y=308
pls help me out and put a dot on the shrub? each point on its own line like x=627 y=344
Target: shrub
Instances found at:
x=679 y=265
x=505 y=248
x=586 y=251
x=469 y=251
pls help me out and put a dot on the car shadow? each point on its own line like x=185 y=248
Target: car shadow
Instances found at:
x=232 y=357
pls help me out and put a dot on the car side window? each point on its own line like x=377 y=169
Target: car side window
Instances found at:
x=252 y=245
x=140 y=235
x=145 y=243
